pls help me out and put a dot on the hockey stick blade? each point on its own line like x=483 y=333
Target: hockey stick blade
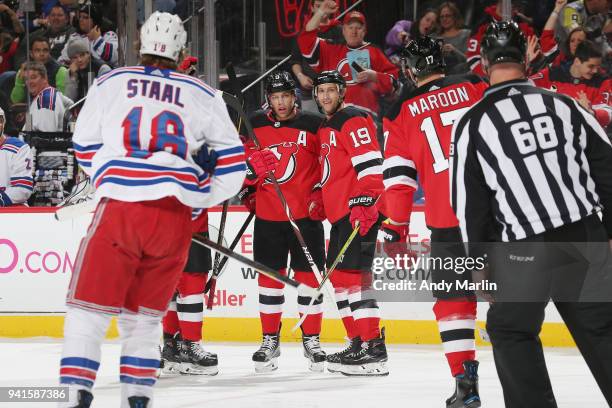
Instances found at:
x=70 y=212
x=303 y=290
x=328 y=274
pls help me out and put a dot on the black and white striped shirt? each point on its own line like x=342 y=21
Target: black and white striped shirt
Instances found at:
x=526 y=160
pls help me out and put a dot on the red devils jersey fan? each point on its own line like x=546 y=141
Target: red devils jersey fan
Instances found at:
x=351 y=183
x=291 y=150
x=419 y=131
x=377 y=75
x=492 y=13
x=183 y=352
x=582 y=81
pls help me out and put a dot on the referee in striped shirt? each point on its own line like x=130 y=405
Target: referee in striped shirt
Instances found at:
x=532 y=169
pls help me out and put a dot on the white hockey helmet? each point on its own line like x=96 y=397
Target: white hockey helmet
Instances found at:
x=163 y=35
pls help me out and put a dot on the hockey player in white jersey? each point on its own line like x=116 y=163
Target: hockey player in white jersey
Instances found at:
x=135 y=137
x=16 y=183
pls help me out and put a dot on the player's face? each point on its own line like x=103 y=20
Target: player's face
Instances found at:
x=328 y=96
x=575 y=39
x=35 y=82
x=40 y=52
x=282 y=104
x=57 y=19
x=2 y=122
x=588 y=68
x=354 y=32
x=82 y=59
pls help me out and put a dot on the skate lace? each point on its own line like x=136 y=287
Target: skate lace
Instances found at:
x=269 y=342
x=312 y=343
x=198 y=350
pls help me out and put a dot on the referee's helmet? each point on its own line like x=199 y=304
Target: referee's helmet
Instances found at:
x=503 y=41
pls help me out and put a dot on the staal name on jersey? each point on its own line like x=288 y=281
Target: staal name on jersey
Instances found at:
x=431 y=102
x=154 y=90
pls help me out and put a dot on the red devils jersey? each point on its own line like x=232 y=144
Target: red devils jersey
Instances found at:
x=597 y=89
x=351 y=161
x=323 y=55
x=418 y=130
x=296 y=145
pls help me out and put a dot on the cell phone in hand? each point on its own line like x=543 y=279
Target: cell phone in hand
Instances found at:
x=357 y=67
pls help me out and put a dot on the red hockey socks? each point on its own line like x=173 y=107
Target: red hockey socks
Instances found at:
x=271 y=300
x=312 y=323
x=190 y=305
x=456 y=322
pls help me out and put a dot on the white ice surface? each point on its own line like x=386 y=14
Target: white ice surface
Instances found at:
x=419 y=378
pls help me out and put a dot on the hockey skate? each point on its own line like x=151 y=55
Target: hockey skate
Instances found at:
x=333 y=360
x=266 y=358
x=371 y=360
x=138 y=402
x=83 y=398
x=171 y=355
x=466 y=389
x=312 y=351
x=197 y=361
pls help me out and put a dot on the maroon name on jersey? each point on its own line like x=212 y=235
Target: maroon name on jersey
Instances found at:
x=418 y=140
x=296 y=145
x=351 y=160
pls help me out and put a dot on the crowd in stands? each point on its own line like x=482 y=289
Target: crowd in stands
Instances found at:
x=71 y=42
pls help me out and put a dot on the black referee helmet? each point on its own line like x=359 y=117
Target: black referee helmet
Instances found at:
x=424 y=56
x=503 y=41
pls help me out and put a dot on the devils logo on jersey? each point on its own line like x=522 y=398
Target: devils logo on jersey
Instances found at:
x=287 y=163
x=325 y=149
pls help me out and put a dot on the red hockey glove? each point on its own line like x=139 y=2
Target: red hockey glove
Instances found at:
x=363 y=209
x=260 y=163
x=247 y=198
x=316 y=210
x=395 y=237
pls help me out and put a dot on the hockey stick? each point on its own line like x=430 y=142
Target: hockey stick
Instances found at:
x=211 y=285
x=233 y=102
x=328 y=274
x=77 y=203
x=303 y=290
x=231 y=73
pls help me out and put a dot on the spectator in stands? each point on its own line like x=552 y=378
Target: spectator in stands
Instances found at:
x=82 y=70
x=376 y=76
x=588 y=14
x=48 y=104
x=163 y=6
x=404 y=31
x=40 y=52
x=582 y=81
x=9 y=21
x=607 y=34
x=550 y=45
x=8 y=48
x=330 y=30
x=492 y=13
x=56 y=27
x=455 y=36
x=103 y=41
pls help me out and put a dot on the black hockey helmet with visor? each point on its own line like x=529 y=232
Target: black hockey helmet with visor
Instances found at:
x=423 y=56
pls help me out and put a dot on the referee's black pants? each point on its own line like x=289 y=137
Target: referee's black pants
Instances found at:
x=514 y=325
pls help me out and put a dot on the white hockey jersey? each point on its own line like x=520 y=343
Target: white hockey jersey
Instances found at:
x=139 y=128
x=48 y=109
x=16 y=183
